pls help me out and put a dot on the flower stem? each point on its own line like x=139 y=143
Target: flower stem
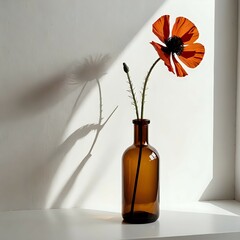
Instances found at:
x=138 y=170
x=140 y=135
x=126 y=70
x=145 y=86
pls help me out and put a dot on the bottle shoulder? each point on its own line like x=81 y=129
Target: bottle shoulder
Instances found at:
x=148 y=149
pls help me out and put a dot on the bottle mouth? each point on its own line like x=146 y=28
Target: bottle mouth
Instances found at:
x=141 y=121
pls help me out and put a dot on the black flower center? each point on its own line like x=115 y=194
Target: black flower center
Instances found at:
x=174 y=45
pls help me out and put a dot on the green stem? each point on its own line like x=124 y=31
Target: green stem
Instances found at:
x=137 y=172
x=140 y=135
x=133 y=95
x=126 y=70
x=145 y=86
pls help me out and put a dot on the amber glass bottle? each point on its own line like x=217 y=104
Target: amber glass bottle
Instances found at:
x=140 y=178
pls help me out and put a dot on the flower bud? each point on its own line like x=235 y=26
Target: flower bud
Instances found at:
x=125 y=68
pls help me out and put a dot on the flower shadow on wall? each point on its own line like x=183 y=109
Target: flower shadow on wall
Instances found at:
x=91 y=70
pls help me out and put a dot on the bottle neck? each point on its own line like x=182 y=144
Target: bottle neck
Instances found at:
x=141 y=131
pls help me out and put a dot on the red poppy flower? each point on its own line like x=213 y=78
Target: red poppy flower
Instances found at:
x=181 y=43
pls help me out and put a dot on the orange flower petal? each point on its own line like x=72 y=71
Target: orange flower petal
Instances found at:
x=164 y=56
x=178 y=67
x=161 y=28
x=186 y=30
x=192 y=55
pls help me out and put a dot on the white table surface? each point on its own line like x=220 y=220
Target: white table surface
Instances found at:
x=195 y=221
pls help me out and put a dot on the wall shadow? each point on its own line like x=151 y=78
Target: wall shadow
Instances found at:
x=36 y=99
x=55 y=89
x=221 y=185
x=79 y=133
x=92 y=69
x=41 y=96
x=228 y=205
x=75 y=79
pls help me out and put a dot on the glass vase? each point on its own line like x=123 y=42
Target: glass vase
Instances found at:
x=140 y=178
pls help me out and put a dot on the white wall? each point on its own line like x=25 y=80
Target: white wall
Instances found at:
x=237 y=169
x=225 y=84
x=47 y=133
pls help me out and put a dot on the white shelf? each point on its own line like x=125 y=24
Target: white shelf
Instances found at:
x=195 y=221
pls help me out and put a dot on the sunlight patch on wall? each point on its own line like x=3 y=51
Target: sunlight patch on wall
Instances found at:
x=181 y=114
